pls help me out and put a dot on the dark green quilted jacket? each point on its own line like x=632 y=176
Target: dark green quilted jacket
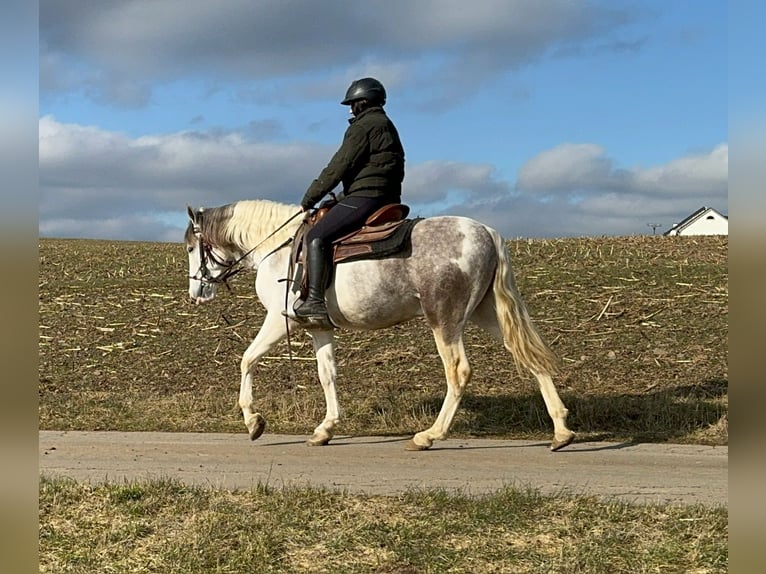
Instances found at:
x=369 y=162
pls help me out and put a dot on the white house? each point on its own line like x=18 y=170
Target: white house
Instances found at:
x=704 y=221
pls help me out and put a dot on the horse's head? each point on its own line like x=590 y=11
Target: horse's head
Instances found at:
x=205 y=267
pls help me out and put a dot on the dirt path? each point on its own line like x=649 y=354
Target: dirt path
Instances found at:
x=380 y=465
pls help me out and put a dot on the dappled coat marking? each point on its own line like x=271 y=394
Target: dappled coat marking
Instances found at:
x=458 y=270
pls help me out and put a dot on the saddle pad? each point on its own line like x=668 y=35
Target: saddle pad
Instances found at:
x=381 y=242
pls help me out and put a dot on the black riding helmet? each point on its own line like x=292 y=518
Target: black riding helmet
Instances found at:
x=368 y=89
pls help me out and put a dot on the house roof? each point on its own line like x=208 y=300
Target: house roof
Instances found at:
x=686 y=222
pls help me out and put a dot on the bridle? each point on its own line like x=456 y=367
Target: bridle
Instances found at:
x=230 y=268
x=204 y=275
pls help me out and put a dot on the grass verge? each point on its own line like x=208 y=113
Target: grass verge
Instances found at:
x=164 y=526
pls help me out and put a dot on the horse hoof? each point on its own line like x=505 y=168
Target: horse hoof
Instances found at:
x=258 y=426
x=559 y=444
x=412 y=445
x=318 y=441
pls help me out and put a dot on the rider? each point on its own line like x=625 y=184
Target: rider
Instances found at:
x=370 y=164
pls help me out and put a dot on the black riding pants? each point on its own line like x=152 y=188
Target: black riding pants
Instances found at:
x=347 y=215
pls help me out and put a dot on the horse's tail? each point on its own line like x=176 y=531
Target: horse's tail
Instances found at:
x=520 y=336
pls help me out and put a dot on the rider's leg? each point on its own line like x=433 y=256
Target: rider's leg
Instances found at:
x=346 y=216
x=317 y=267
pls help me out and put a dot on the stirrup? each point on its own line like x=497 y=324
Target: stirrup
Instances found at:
x=317 y=321
x=311 y=320
x=305 y=309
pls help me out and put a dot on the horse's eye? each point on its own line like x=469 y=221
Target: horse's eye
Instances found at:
x=189 y=249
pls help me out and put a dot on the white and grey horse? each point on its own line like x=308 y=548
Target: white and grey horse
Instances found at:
x=456 y=270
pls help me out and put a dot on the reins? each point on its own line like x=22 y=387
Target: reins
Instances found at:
x=231 y=269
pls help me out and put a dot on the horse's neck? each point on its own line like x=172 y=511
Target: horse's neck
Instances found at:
x=277 y=249
x=260 y=228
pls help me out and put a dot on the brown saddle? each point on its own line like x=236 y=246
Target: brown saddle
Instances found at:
x=384 y=233
x=379 y=226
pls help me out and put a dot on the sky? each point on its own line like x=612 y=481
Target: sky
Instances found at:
x=554 y=118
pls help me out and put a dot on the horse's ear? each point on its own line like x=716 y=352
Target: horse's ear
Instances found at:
x=190 y=211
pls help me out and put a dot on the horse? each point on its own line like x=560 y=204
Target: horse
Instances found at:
x=455 y=270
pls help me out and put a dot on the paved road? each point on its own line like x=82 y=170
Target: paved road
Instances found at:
x=380 y=465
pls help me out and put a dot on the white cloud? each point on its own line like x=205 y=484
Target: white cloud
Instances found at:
x=586 y=169
x=90 y=175
x=431 y=182
x=699 y=173
x=116 y=50
x=96 y=183
x=566 y=167
x=577 y=190
x=125 y=225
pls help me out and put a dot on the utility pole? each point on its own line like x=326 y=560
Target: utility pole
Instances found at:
x=654 y=226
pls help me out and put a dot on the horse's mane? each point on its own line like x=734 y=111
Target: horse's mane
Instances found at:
x=244 y=224
x=254 y=220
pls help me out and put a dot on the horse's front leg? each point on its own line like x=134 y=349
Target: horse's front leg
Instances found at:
x=326 y=367
x=272 y=330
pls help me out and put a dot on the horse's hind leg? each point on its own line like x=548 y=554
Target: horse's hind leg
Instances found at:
x=326 y=367
x=562 y=436
x=272 y=330
x=485 y=317
x=458 y=373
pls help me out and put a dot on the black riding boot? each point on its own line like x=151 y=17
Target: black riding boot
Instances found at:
x=313 y=310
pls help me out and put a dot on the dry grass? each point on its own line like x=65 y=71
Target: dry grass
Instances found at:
x=165 y=527
x=640 y=324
